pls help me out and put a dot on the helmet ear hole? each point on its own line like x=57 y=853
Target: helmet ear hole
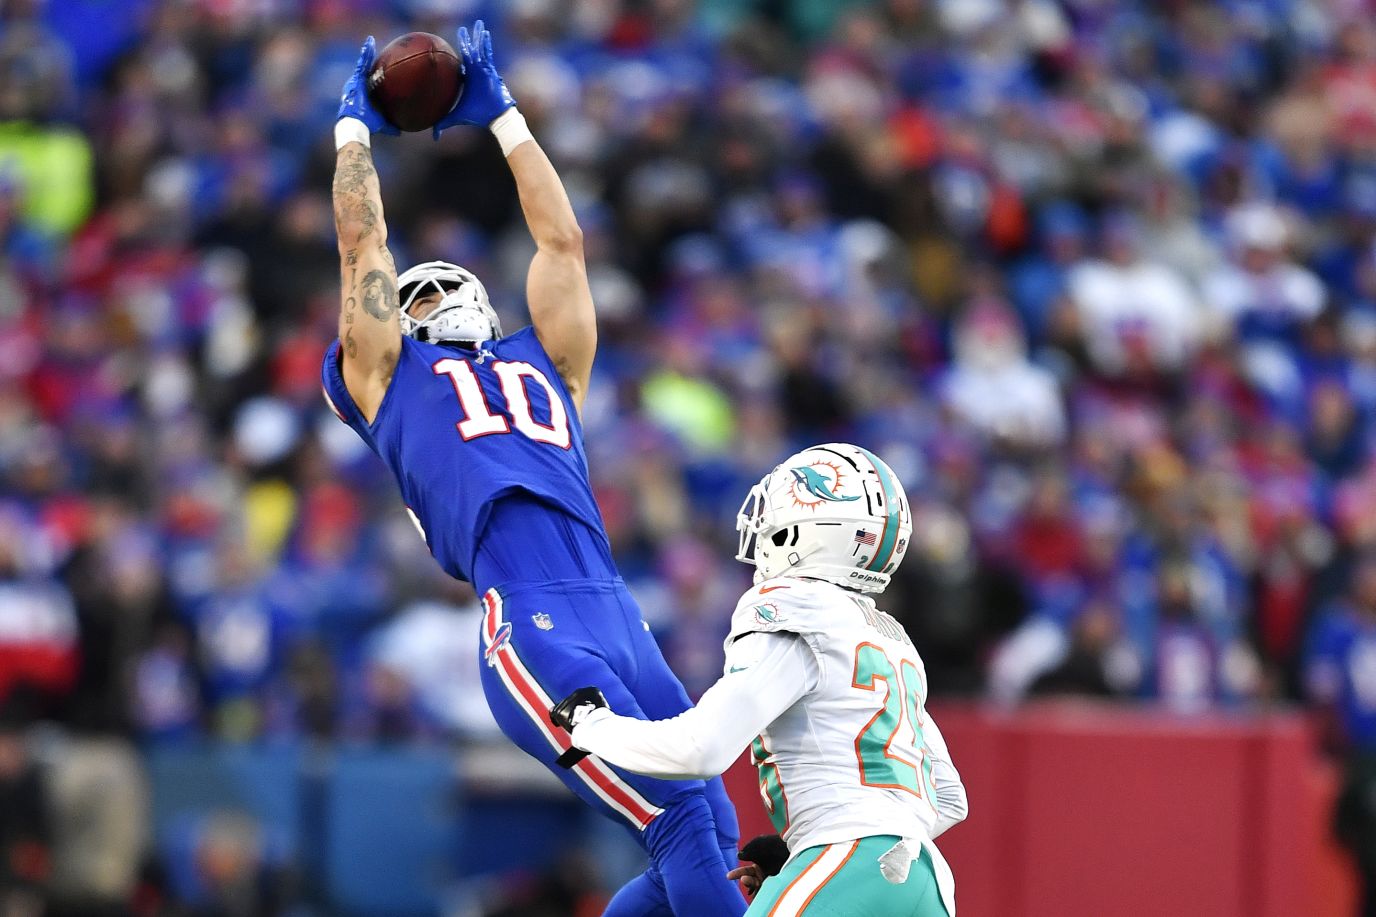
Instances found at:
x=780 y=537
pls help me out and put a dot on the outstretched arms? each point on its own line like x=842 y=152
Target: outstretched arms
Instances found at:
x=557 y=285
x=369 y=329
x=369 y=326
x=772 y=671
x=557 y=290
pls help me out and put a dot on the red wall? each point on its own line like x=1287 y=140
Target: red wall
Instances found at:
x=1085 y=810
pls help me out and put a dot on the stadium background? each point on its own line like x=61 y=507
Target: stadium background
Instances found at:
x=1097 y=278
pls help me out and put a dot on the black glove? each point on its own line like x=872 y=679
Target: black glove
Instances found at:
x=561 y=714
x=768 y=851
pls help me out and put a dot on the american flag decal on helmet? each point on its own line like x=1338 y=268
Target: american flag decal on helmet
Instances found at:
x=865 y=538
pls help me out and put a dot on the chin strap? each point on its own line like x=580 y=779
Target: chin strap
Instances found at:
x=423 y=335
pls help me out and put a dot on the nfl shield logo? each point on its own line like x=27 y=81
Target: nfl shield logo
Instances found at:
x=542 y=621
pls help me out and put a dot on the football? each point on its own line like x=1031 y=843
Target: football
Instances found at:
x=415 y=80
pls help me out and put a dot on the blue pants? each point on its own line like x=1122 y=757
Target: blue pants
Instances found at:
x=541 y=641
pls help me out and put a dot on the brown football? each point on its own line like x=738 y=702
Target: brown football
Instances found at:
x=415 y=81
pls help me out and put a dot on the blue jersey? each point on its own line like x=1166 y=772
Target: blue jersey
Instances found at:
x=466 y=430
x=487 y=449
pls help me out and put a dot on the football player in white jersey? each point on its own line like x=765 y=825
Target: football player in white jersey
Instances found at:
x=828 y=692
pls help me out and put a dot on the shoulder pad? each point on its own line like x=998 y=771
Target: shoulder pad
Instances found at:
x=786 y=605
x=520 y=336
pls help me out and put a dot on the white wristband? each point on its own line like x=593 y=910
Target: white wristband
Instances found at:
x=511 y=130
x=351 y=130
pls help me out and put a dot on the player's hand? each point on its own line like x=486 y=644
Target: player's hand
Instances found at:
x=763 y=857
x=570 y=711
x=353 y=102
x=750 y=876
x=484 y=94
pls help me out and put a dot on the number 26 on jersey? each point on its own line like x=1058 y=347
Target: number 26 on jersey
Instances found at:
x=888 y=758
x=514 y=377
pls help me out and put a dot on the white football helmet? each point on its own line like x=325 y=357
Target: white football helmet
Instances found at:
x=832 y=512
x=464 y=314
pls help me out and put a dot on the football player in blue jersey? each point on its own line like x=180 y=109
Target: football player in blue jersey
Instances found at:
x=481 y=430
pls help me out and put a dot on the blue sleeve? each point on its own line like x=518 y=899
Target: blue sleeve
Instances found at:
x=338 y=398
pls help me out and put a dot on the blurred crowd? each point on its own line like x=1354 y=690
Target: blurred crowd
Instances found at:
x=1097 y=278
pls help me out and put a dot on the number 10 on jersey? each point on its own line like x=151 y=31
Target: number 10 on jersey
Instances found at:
x=479 y=418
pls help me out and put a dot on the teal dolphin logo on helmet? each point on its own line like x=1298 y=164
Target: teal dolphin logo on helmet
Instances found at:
x=816 y=484
x=807 y=518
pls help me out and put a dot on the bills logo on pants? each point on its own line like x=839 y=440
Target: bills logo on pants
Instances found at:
x=532 y=699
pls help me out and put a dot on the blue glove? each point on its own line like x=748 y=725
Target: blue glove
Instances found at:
x=353 y=103
x=484 y=94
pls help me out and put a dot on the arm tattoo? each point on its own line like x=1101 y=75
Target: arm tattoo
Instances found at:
x=353 y=170
x=355 y=194
x=358 y=218
x=361 y=215
x=379 y=295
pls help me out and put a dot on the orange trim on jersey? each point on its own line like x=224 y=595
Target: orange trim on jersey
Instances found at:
x=921 y=708
x=760 y=765
x=888 y=743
